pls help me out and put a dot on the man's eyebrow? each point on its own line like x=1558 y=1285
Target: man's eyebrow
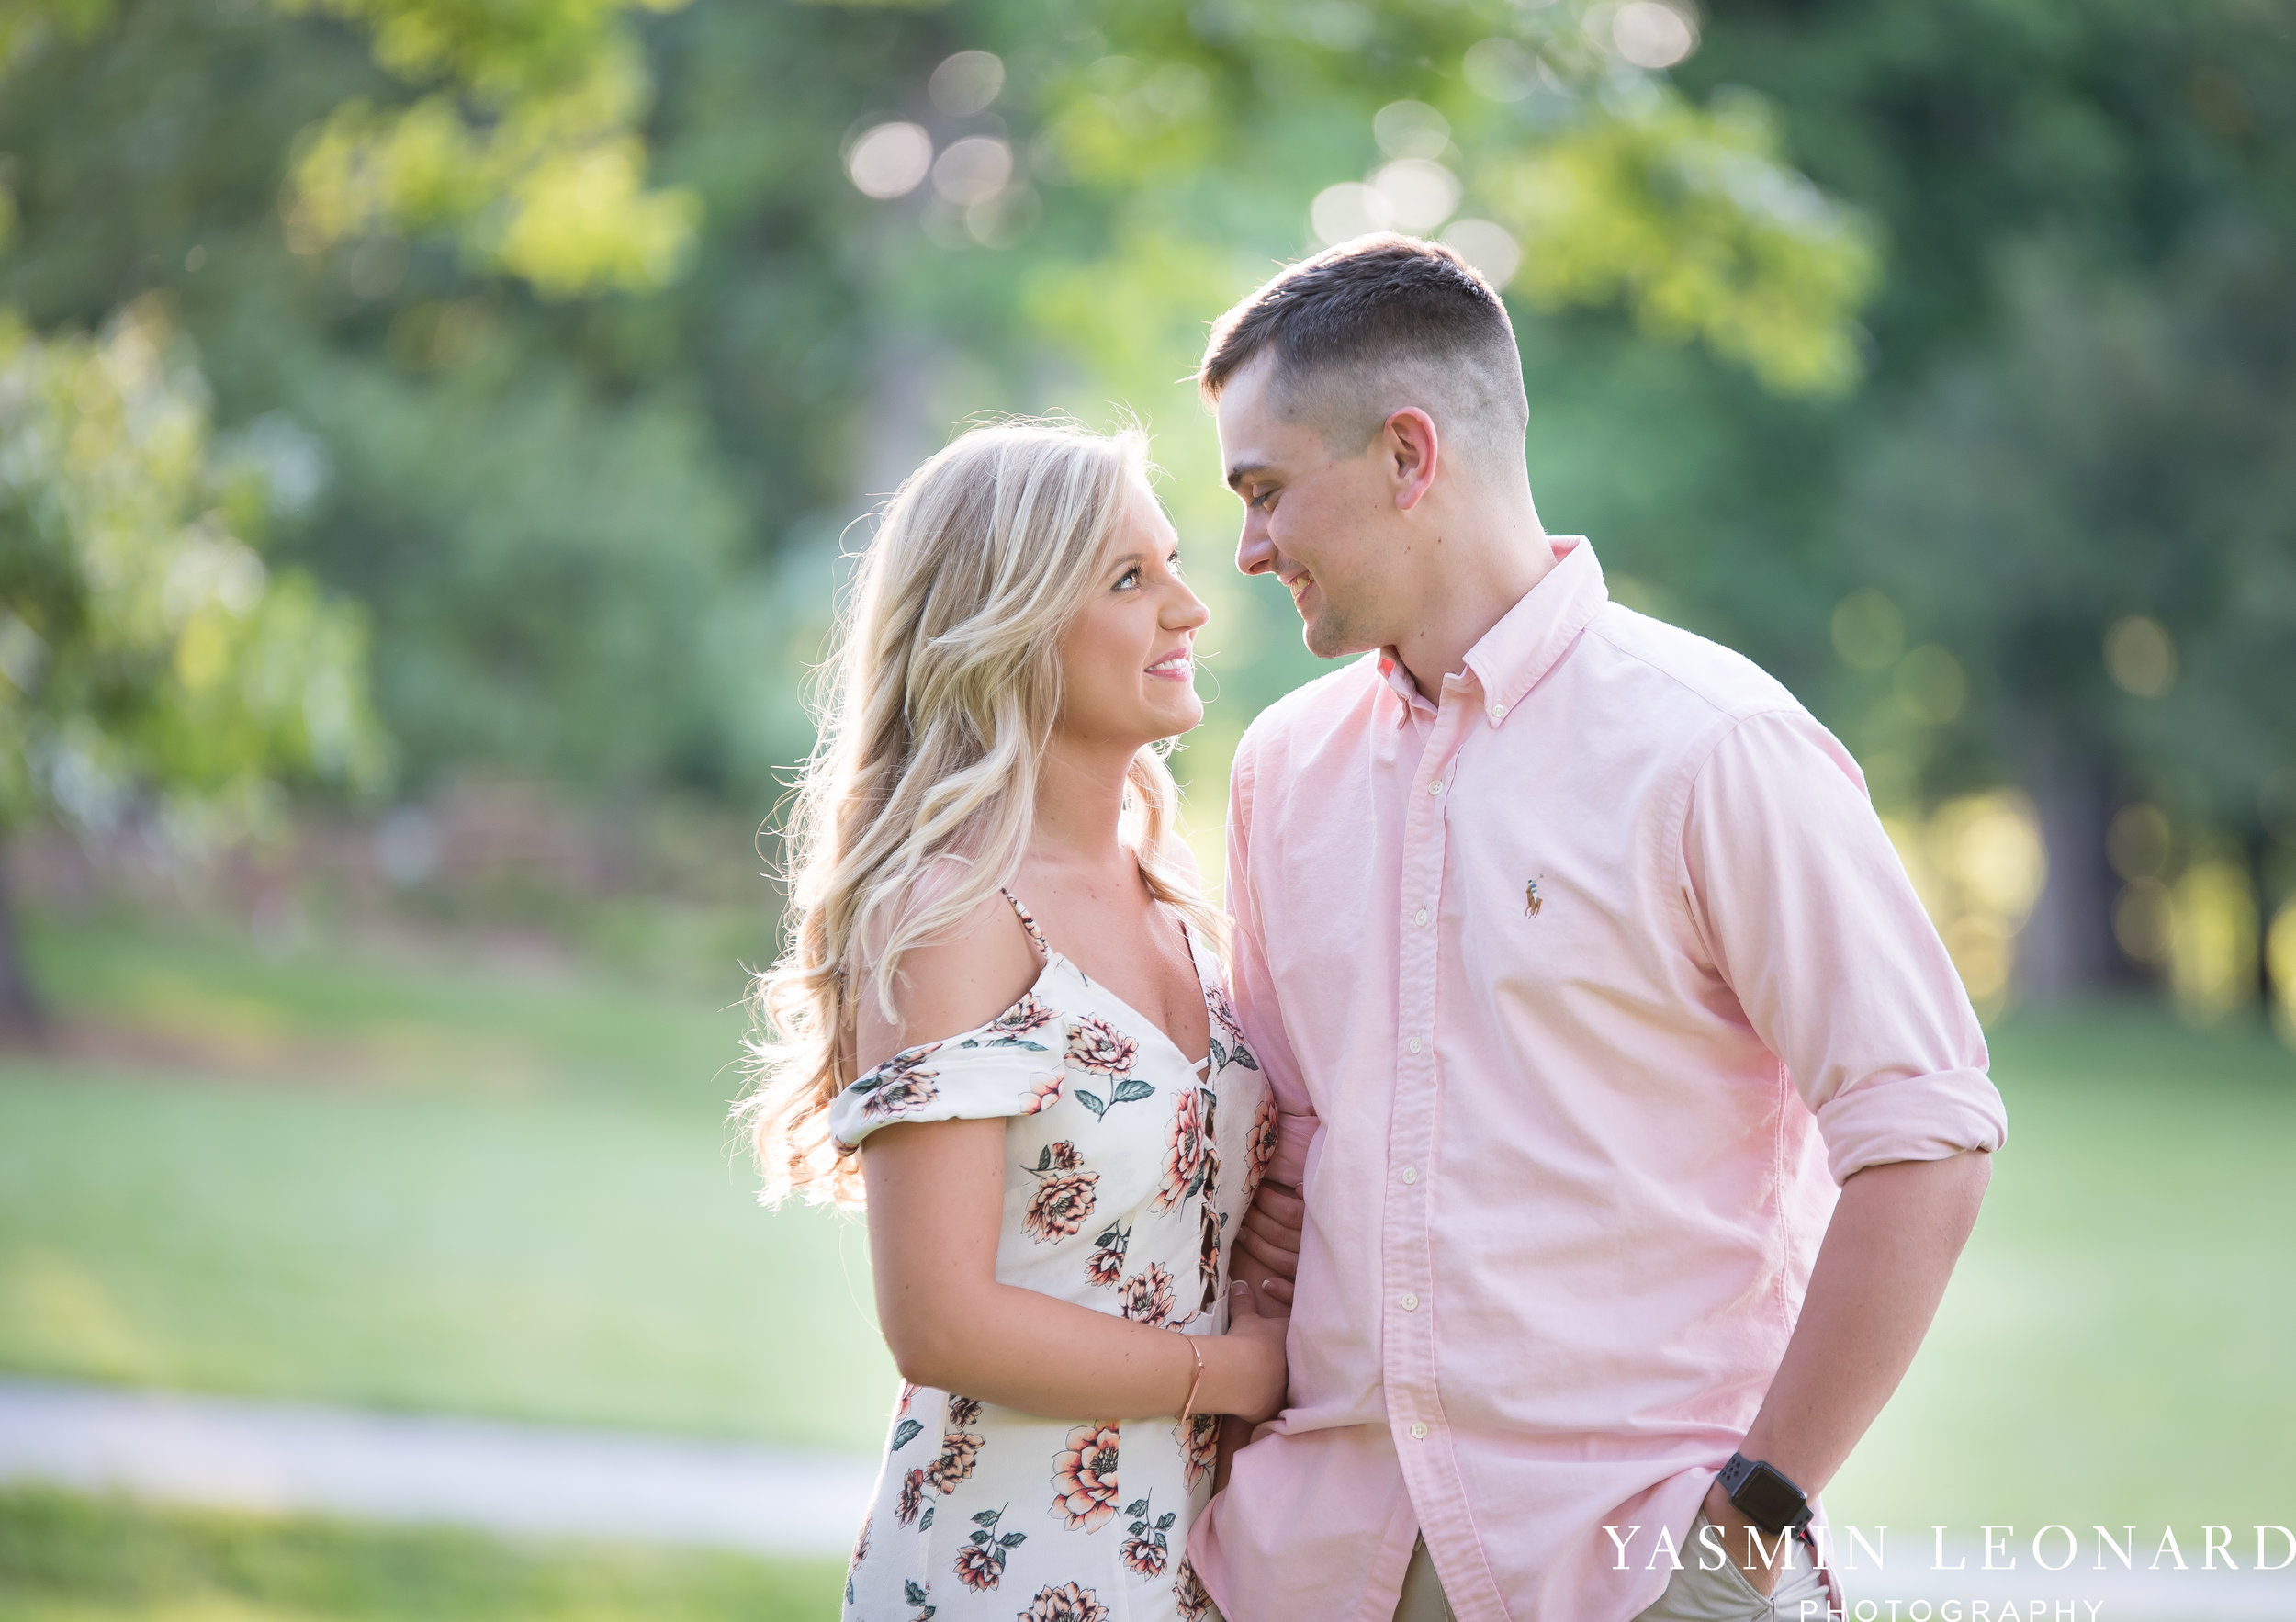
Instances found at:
x=1240 y=471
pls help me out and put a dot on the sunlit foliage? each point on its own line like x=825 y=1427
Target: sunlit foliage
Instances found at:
x=145 y=648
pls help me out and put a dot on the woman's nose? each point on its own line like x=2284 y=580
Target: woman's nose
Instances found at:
x=1186 y=612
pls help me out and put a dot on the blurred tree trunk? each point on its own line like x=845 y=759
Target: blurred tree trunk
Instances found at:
x=23 y=1018
x=2067 y=946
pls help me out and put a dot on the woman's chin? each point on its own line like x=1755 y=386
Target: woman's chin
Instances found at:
x=1171 y=720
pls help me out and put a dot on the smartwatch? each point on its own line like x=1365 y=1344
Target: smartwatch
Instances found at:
x=1764 y=1495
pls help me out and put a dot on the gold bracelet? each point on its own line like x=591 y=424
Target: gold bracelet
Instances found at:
x=1188 y=1407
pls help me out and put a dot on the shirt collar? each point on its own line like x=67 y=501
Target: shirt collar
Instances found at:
x=1523 y=646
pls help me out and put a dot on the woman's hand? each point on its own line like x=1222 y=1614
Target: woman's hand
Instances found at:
x=1255 y=1342
x=1268 y=1244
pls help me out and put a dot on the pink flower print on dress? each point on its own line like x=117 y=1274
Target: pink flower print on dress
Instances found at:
x=1027 y=1015
x=959 y=1451
x=1266 y=1131
x=1188 y=1590
x=1068 y=1602
x=1223 y=1014
x=1096 y=1045
x=1207 y=1252
x=912 y=1498
x=1084 y=1477
x=1043 y=1094
x=1098 y=1048
x=1148 y=1296
x=981 y=1563
x=899 y=1085
x=980 y=1568
x=1183 y=1153
x=1064 y=1199
x=1200 y=1448
x=1146 y=1549
x=1107 y=1267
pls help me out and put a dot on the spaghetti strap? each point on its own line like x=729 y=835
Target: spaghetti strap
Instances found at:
x=1028 y=922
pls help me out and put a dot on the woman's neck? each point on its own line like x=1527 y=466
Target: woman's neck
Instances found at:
x=1080 y=808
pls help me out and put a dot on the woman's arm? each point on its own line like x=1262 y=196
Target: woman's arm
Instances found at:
x=936 y=1195
x=935 y=1199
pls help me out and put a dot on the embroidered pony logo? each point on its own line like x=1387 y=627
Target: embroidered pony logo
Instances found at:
x=1532 y=900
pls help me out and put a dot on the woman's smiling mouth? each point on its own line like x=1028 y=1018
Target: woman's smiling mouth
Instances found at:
x=1177 y=667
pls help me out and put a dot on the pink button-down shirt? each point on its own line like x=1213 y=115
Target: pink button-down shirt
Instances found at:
x=1573 y=988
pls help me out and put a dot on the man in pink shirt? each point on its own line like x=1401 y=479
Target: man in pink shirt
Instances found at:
x=1638 y=1113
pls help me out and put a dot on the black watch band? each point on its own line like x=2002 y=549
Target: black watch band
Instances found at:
x=1764 y=1495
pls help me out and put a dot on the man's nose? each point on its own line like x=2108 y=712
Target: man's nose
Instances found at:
x=1255 y=552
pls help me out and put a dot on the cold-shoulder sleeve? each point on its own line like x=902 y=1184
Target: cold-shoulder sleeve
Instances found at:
x=1012 y=1065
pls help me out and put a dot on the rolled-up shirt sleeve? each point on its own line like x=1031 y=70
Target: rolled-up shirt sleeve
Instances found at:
x=1806 y=911
x=1255 y=987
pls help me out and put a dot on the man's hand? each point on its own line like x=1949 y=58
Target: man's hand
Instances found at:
x=1268 y=1244
x=1740 y=1547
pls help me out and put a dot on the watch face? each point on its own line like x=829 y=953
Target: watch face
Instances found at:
x=1768 y=1499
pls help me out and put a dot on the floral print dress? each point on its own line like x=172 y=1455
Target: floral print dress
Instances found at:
x=1127 y=1168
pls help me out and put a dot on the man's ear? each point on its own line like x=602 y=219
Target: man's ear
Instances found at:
x=1413 y=451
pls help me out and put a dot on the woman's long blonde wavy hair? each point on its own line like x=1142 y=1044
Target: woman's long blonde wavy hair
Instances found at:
x=945 y=687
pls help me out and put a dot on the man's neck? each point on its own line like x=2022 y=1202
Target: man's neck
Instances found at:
x=1486 y=563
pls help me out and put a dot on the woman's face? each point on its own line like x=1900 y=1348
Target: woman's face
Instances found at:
x=1128 y=660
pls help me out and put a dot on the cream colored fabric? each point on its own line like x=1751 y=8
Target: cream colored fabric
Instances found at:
x=1699 y=1595
x=1423 y=1598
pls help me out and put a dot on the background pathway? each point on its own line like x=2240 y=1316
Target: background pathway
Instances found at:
x=499 y=1476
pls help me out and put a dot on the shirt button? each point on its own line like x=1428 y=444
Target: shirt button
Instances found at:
x=1418 y=1431
x=1411 y=1304
x=1413 y=1045
x=1498 y=712
x=1419 y=918
x=1410 y=1175
x=1436 y=787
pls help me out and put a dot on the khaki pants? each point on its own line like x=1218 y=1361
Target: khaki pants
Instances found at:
x=1693 y=1595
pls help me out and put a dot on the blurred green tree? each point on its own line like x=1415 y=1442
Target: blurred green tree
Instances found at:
x=2079 y=431
x=144 y=646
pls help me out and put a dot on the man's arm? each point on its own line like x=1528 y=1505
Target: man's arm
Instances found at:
x=1806 y=910
x=1895 y=1234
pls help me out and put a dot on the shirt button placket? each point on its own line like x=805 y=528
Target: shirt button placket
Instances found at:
x=1411 y=1352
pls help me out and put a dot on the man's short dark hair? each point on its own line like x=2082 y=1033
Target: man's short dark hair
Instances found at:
x=1370 y=326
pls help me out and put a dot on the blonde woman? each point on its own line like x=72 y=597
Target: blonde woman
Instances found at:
x=1000 y=1020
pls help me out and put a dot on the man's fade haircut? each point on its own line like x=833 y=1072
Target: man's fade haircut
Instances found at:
x=1370 y=326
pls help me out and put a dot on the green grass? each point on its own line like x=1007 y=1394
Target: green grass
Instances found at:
x=2117 y=1344
x=513 y=1197
x=457 y=1187
x=67 y=1559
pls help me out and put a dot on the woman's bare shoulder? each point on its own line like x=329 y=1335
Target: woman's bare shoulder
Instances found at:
x=963 y=978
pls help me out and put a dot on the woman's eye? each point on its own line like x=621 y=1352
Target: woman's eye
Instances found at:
x=1128 y=580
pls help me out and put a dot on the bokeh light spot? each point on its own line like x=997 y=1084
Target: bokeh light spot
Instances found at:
x=890 y=160
x=1420 y=194
x=967 y=83
x=1350 y=210
x=2140 y=657
x=1651 y=35
x=1411 y=130
x=1490 y=248
x=1501 y=69
x=1868 y=631
x=972 y=169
